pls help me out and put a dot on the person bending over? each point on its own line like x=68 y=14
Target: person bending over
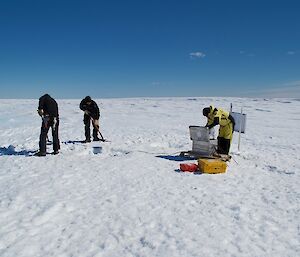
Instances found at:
x=91 y=113
x=226 y=121
x=48 y=110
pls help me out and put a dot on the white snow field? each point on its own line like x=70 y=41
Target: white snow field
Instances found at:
x=132 y=200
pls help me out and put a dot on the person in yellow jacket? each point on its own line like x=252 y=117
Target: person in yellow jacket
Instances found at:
x=226 y=121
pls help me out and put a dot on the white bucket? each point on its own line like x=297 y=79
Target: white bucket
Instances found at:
x=97 y=149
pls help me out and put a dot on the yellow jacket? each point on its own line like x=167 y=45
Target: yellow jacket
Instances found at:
x=218 y=113
x=226 y=126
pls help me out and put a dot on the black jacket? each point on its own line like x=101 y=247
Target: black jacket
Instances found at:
x=91 y=108
x=48 y=105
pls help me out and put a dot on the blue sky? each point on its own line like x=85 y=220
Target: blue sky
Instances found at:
x=149 y=48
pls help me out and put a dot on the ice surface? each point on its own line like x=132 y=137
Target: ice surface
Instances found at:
x=130 y=199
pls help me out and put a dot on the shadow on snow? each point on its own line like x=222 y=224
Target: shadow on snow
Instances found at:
x=10 y=150
x=176 y=158
x=73 y=142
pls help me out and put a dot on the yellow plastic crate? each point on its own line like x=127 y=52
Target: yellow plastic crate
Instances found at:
x=212 y=166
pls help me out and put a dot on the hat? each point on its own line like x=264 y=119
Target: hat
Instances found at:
x=88 y=99
x=206 y=111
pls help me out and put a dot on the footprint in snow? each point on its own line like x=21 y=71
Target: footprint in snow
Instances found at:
x=48 y=214
x=276 y=170
x=262 y=110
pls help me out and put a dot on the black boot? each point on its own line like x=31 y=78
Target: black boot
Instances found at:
x=40 y=154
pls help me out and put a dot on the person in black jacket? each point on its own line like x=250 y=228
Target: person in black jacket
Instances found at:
x=48 y=110
x=91 y=112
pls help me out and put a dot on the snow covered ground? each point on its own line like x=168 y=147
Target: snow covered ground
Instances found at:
x=131 y=199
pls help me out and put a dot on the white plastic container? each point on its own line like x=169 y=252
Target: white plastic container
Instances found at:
x=97 y=149
x=199 y=133
x=201 y=143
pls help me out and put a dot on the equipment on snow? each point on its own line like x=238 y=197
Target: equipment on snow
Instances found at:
x=97 y=149
x=212 y=166
x=204 y=149
x=188 y=167
x=202 y=145
x=240 y=123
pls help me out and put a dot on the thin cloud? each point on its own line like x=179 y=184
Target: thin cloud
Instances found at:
x=286 y=90
x=197 y=55
x=291 y=52
x=293 y=84
x=156 y=83
x=242 y=52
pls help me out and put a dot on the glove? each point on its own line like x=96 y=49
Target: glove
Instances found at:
x=40 y=112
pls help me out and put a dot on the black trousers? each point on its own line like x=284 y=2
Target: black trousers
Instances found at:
x=223 y=145
x=87 y=128
x=52 y=122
